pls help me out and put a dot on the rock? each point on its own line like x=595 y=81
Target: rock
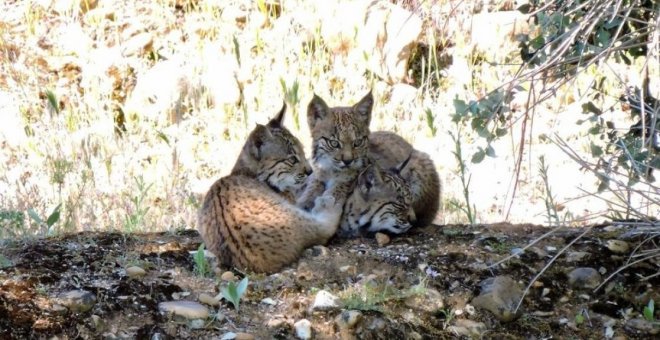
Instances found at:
x=348 y=319
x=351 y=270
x=491 y=30
x=388 y=36
x=318 y=251
x=584 y=278
x=78 y=300
x=208 y=299
x=137 y=43
x=429 y=301
x=97 y=323
x=577 y=256
x=244 y=336
x=382 y=239
x=643 y=326
x=187 y=309
x=135 y=272
x=618 y=246
x=303 y=329
x=227 y=276
x=468 y=328
x=269 y=301
x=500 y=295
x=197 y=324
x=325 y=301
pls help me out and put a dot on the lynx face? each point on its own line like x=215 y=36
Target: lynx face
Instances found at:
x=274 y=156
x=381 y=202
x=339 y=134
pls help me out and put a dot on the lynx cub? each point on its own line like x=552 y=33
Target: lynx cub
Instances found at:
x=388 y=150
x=245 y=220
x=339 y=144
x=343 y=147
x=381 y=201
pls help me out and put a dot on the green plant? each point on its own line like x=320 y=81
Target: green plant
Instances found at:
x=430 y=121
x=12 y=223
x=202 y=267
x=649 y=311
x=470 y=210
x=447 y=315
x=579 y=318
x=292 y=98
x=50 y=221
x=52 y=100
x=135 y=219
x=550 y=204
x=234 y=292
x=4 y=262
x=372 y=295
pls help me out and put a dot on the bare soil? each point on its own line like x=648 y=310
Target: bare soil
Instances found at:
x=451 y=259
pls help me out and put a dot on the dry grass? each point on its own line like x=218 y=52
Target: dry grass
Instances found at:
x=105 y=147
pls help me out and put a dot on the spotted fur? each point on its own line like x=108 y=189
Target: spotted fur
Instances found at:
x=380 y=202
x=339 y=144
x=247 y=222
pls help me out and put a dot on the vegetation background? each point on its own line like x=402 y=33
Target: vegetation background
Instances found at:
x=119 y=114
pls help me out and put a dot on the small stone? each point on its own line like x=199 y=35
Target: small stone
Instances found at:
x=227 y=276
x=208 y=299
x=325 y=301
x=78 y=300
x=382 y=239
x=468 y=328
x=58 y=309
x=97 y=323
x=348 y=319
x=551 y=249
x=643 y=326
x=429 y=301
x=500 y=295
x=303 y=329
x=318 y=251
x=584 y=278
x=244 y=336
x=197 y=324
x=577 y=256
x=135 y=272
x=618 y=246
x=187 y=309
x=351 y=270
x=269 y=301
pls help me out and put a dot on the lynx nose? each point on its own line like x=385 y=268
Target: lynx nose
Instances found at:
x=308 y=171
x=347 y=162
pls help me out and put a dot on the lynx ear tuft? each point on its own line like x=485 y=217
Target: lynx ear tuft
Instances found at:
x=278 y=120
x=257 y=140
x=402 y=165
x=316 y=110
x=369 y=178
x=365 y=106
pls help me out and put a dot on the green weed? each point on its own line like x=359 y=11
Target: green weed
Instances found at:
x=649 y=311
x=469 y=209
x=50 y=221
x=135 y=220
x=202 y=267
x=234 y=292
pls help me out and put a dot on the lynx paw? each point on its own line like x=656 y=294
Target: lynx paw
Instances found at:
x=323 y=203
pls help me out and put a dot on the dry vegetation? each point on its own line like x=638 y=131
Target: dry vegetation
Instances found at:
x=123 y=113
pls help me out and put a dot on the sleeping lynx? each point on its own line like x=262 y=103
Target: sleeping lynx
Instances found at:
x=247 y=223
x=343 y=147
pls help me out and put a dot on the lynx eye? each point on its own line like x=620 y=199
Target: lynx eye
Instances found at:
x=293 y=160
x=359 y=142
x=333 y=143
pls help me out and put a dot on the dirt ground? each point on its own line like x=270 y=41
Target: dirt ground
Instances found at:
x=450 y=260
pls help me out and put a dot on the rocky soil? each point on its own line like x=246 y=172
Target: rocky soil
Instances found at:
x=434 y=283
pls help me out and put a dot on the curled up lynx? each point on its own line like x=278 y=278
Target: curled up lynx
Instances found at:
x=398 y=186
x=248 y=223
